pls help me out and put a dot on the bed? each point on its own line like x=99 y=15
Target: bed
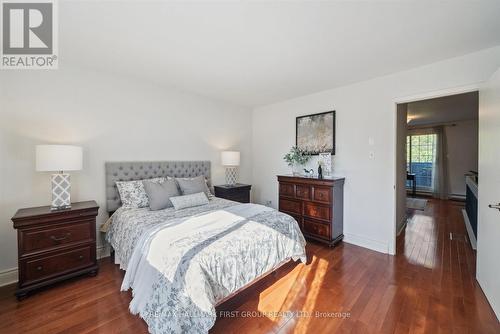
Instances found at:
x=182 y=264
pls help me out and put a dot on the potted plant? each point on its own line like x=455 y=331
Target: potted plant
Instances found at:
x=296 y=158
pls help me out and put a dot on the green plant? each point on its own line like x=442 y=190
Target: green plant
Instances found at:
x=296 y=156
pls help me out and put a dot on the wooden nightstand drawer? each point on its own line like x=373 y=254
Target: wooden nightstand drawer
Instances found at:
x=57 y=264
x=51 y=237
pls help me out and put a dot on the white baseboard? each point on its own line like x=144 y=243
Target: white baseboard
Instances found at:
x=468 y=226
x=402 y=227
x=10 y=276
x=366 y=243
x=102 y=251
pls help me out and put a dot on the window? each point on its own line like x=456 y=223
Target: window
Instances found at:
x=421 y=158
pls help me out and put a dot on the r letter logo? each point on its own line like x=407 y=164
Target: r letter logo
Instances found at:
x=29 y=39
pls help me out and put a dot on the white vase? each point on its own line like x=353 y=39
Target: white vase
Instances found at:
x=297 y=169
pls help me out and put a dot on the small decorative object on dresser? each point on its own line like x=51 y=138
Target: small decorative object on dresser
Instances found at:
x=51 y=158
x=326 y=163
x=238 y=193
x=231 y=160
x=296 y=159
x=55 y=245
x=316 y=204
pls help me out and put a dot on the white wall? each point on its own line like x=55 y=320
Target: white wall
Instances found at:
x=462 y=141
x=364 y=110
x=114 y=119
x=488 y=227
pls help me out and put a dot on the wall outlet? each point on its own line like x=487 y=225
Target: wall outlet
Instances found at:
x=269 y=203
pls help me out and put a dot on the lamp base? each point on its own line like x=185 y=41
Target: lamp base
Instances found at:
x=231 y=176
x=61 y=191
x=60 y=208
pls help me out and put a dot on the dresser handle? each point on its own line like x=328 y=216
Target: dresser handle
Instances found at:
x=80 y=257
x=39 y=268
x=54 y=238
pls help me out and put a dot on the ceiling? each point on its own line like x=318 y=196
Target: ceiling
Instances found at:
x=446 y=109
x=257 y=53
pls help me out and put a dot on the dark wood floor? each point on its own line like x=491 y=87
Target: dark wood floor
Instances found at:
x=429 y=287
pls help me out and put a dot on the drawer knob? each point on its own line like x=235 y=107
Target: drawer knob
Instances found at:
x=57 y=239
x=39 y=268
x=80 y=257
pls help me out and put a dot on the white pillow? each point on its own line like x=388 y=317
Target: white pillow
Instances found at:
x=133 y=194
x=189 y=201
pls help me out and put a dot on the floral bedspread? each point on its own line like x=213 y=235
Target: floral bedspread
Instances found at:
x=181 y=263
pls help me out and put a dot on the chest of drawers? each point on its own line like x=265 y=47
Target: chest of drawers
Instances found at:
x=316 y=204
x=55 y=245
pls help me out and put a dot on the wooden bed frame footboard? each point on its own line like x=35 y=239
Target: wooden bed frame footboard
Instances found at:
x=245 y=293
x=249 y=291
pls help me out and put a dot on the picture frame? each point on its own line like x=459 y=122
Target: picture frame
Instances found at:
x=315 y=133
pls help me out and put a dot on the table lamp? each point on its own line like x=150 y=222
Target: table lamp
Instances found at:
x=231 y=160
x=60 y=158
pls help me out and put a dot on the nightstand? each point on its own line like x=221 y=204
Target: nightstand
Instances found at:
x=55 y=245
x=238 y=193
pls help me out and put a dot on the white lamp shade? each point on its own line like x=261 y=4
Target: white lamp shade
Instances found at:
x=50 y=158
x=230 y=158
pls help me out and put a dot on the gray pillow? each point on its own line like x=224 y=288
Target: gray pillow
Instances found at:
x=132 y=193
x=193 y=185
x=159 y=193
x=188 y=201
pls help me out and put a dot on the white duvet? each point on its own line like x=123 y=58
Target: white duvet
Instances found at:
x=181 y=267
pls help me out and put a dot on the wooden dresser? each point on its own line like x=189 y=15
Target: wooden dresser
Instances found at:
x=316 y=204
x=55 y=245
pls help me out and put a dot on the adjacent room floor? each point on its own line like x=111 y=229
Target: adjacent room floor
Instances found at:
x=428 y=287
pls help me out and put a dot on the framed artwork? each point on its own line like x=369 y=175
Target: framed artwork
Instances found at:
x=316 y=133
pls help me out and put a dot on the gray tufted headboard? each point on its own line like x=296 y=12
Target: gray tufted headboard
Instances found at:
x=138 y=170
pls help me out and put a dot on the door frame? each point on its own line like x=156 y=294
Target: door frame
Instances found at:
x=407 y=99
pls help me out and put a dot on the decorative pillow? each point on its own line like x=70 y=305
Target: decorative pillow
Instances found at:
x=188 y=201
x=132 y=193
x=159 y=193
x=193 y=185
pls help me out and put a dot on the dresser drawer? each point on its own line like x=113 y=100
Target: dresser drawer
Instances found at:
x=58 y=263
x=317 y=211
x=322 y=194
x=51 y=237
x=290 y=206
x=302 y=192
x=287 y=189
x=316 y=229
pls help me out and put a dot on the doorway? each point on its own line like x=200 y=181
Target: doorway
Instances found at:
x=437 y=157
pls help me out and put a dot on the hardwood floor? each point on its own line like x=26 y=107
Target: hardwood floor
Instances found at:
x=429 y=287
